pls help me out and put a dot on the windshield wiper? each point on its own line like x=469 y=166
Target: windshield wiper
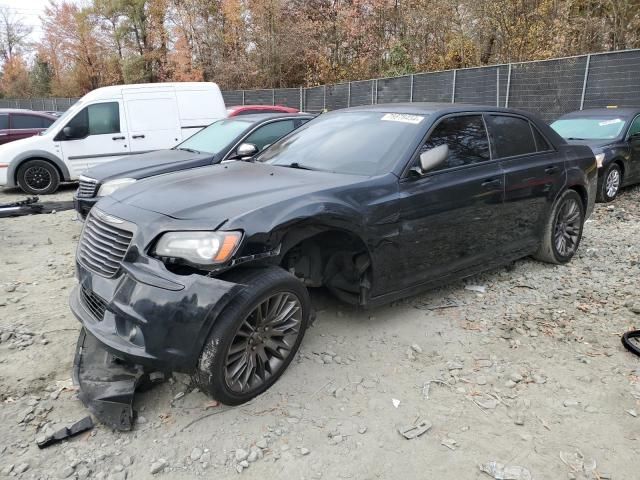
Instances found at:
x=191 y=150
x=575 y=138
x=296 y=165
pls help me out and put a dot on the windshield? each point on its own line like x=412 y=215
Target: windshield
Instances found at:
x=73 y=109
x=216 y=136
x=589 y=128
x=356 y=142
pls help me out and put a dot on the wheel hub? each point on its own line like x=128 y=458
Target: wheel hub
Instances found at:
x=567 y=228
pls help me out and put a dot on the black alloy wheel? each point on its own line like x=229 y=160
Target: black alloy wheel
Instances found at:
x=38 y=177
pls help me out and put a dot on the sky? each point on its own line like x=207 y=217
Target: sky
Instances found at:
x=29 y=11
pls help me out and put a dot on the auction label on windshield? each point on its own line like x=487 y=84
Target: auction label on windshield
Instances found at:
x=402 y=117
x=610 y=122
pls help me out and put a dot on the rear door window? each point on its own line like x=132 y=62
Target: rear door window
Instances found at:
x=270 y=133
x=20 y=121
x=512 y=136
x=634 y=129
x=541 y=143
x=4 y=122
x=466 y=137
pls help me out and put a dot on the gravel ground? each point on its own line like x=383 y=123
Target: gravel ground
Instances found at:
x=522 y=366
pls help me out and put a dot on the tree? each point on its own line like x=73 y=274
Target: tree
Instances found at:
x=14 y=34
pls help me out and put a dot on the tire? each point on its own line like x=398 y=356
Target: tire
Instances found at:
x=566 y=207
x=38 y=177
x=609 y=187
x=229 y=342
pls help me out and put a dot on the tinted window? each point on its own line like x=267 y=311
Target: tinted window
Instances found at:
x=98 y=119
x=633 y=129
x=466 y=137
x=512 y=136
x=4 y=122
x=352 y=142
x=541 y=143
x=26 y=121
x=270 y=133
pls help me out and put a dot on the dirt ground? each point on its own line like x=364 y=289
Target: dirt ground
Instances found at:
x=522 y=366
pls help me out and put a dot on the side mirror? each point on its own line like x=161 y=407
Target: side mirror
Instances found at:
x=246 y=150
x=68 y=132
x=431 y=159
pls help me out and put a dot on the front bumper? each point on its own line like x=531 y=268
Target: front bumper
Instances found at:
x=146 y=315
x=84 y=205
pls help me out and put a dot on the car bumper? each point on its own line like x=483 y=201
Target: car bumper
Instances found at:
x=148 y=316
x=84 y=205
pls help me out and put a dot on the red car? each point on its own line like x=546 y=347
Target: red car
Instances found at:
x=16 y=124
x=249 y=109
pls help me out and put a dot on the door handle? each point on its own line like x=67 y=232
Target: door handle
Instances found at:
x=551 y=170
x=118 y=138
x=491 y=182
x=137 y=136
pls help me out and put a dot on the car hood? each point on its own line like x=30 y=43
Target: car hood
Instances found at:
x=148 y=164
x=220 y=192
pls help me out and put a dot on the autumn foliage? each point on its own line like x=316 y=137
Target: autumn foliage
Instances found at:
x=288 y=43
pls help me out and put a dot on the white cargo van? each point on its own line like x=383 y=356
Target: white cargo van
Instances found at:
x=106 y=124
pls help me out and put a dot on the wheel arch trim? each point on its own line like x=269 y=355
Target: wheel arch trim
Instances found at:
x=14 y=166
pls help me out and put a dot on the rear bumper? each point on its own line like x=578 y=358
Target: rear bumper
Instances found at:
x=148 y=316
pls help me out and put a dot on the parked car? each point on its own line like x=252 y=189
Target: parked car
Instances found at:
x=17 y=123
x=226 y=139
x=106 y=124
x=54 y=113
x=614 y=136
x=251 y=109
x=206 y=272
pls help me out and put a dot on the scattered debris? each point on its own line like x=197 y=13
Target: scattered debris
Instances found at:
x=413 y=431
x=476 y=288
x=450 y=443
x=67 y=432
x=395 y=402
x=505 y=472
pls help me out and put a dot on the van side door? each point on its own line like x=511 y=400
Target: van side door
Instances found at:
x=96 y=134
x=153 y=120
x=534 y=176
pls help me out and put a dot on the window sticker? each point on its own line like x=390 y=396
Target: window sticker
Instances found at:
x=610 y=122
x=402 y=117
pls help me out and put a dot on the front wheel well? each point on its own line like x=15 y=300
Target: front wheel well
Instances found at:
x=335 y=259
x=22 y=162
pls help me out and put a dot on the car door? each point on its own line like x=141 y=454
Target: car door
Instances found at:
x=153 y=120
x=534 y=175
x=633 y=137
x=96 y=134
x=450 y=217
x=5 y=136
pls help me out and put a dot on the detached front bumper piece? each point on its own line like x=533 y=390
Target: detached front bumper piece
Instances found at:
x=107 y=385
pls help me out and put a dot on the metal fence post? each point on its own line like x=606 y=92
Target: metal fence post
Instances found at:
x=301 y=105
x=497 y=86
x=373 y=83
x=324 y=99
x=584 y=82
x=453 y=90
x=349 y=95
x=273 y=96
x=243 y=97
x=506 y=99
x=376 y=102
x=411 y=89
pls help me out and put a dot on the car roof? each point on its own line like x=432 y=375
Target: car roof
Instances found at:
x=429 y=108
x=613 y=112
x=261 y=107
x=262 y=117
x=26 y=111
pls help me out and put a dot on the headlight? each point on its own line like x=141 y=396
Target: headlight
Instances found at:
x=111 y=186
x=599 y=159
x=199 y=248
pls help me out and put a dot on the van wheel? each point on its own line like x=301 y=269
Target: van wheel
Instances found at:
x=256 y=337
x=563 y=230
x=38 y=177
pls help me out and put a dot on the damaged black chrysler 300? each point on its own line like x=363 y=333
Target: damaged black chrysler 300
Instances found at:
x=207 y=272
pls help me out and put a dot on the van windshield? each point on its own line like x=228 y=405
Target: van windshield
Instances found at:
x=62 y=119
x=215 y=137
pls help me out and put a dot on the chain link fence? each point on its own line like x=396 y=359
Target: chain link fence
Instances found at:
x=549 y=88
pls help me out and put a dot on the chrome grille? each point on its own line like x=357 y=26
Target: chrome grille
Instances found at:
x=96 y=305
x=103 y=245
x=87 y=187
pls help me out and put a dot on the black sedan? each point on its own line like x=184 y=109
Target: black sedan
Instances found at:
x=227 y=139
x=614 y=136
x=208 y=272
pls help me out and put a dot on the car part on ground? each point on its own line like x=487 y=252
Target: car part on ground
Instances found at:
x=629 y=340
x=66 y=432
x=372 y=203
x=32 y=206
